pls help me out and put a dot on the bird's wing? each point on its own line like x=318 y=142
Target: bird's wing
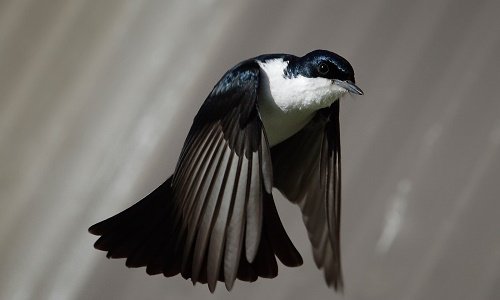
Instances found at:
x=215 y=218
x=307 y=171
x=222 y=185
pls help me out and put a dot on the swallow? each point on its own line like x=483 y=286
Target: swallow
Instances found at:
x=270 y=122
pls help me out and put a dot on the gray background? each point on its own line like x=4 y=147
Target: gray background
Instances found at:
x=96 y=98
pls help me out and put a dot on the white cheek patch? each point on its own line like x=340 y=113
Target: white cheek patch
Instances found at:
x=288 y=104
x=297 y=93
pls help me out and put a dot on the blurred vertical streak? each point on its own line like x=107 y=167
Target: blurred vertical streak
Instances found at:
x=34 y=49
x=486 y=51
x=20 y=98
x=96 y=98
x=10 y=16
x=490 y=277
x=95 y=85
x=390 y=84
x=438 y=248
x=40 y=223
x=441 y=114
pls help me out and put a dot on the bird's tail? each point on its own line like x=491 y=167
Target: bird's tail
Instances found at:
x=149 y=234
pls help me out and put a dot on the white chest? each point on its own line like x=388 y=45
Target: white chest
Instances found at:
x=286 y=105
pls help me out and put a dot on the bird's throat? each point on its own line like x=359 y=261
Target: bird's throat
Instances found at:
x=279 y=124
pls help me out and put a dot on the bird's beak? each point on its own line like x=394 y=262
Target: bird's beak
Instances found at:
x=349 y=86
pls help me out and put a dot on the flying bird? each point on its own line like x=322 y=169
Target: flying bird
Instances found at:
x=270 y=121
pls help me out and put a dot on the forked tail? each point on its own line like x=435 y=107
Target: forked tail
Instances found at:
x=152 y=233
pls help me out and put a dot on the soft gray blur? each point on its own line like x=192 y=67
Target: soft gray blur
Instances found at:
x=96 y=98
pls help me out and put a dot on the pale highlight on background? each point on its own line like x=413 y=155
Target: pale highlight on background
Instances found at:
x=96 y=98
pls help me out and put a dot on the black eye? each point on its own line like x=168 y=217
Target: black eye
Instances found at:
x=323 y=68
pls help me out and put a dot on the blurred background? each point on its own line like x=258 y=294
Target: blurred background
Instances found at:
x=96 y=98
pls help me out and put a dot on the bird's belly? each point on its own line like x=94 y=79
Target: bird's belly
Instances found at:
x=282 y=124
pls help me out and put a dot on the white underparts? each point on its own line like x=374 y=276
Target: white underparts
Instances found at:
x=288 y=104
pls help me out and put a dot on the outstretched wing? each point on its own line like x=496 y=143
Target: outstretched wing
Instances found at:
x=221 y=177
x=221 y=221
x=307 y=171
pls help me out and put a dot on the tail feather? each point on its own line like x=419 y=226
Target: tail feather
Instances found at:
x=149 y=234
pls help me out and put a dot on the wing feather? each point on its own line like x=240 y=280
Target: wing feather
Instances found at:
x=254 y=210
x=218 y=233
x=235 y=228
x=217 y=205
x=205 y=211
x=307 y=171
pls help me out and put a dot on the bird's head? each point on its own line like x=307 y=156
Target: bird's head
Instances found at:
x=307 y=83
x=322 y=64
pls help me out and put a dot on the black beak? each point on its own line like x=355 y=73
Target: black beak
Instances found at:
x=349 y=85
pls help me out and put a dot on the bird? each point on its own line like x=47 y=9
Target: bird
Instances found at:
x=271 y=122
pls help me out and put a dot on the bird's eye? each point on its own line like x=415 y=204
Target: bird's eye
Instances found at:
x=323 y=69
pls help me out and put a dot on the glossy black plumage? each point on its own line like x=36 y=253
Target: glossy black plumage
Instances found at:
x=307 y=171
x=215 y=219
